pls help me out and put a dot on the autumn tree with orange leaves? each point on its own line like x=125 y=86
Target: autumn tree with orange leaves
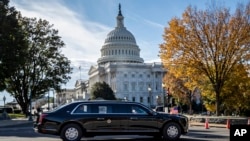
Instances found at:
x=205 y=47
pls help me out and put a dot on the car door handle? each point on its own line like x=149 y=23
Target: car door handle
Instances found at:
x=133 y=118
x=100 y=118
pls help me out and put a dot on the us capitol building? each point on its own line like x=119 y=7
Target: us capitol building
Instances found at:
x=121 y=66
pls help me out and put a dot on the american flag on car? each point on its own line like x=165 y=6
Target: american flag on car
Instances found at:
x=174 y=110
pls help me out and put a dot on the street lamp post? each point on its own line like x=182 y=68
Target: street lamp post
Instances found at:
x=149 y=92
x=4 y=98
x=48 y=101
x=157 y=100
x=4 y=114
x=53 y=100
x=163 y=95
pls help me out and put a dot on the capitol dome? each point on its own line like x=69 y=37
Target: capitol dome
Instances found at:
x=120 y=45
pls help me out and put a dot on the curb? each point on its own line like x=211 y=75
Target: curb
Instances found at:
x=16 y=123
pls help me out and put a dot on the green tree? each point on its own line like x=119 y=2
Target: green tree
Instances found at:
x=13 y=45
x=207 y=44
x=45 y=66
x=102 y=90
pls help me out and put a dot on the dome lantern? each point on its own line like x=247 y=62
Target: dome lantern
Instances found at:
x=120 y=18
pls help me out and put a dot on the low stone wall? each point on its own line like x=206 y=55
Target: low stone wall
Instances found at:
x=219 y=120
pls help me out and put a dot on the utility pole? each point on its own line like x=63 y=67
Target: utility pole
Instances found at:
x=48 y=101
x=163 y=95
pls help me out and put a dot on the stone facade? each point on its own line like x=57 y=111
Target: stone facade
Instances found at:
x=121 y=66
x=131 y=81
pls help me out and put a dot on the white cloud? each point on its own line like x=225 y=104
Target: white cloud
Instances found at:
x=152 y=23
x=83 y=38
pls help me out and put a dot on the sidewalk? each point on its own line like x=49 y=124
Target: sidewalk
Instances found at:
x=209 y=124
x=21 y=122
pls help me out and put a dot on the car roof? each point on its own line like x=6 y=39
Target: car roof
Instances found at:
x=107 y=102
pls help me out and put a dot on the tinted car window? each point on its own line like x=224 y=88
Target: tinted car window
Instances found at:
x=84 y=108
x=159 y=109
x=101 y=108
x=137 y=110
x=128 y=109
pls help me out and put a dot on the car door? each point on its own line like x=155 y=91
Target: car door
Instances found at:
x=105 y=119
x=141 y=120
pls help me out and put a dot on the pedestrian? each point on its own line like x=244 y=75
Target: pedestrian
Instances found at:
x=38 y=112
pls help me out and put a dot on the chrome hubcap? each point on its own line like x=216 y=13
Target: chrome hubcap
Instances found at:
x=172 y=131
x=71 y=133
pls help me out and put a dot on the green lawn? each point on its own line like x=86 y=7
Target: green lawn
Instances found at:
x=16 y=116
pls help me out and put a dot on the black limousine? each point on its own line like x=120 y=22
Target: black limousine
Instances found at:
x=92 y=118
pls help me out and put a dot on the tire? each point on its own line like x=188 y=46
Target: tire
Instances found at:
x=71 y=132
x=171 y=132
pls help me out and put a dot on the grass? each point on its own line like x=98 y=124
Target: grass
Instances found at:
x=16 y=116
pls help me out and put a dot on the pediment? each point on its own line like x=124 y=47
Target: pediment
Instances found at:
x=92 y=69
x=78 y=82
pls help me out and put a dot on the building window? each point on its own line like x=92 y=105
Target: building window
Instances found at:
x=140 y=76
x=133 y=84
x=148 y=99
x=148 y=85
x=133 y=75
x=125 y=75
x=133 y=99
x=141 y=99
x=141 y=86
x=148 y=75
x=126 y=87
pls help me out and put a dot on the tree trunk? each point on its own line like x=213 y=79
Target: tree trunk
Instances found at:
x=25 y=109
x=217 y=103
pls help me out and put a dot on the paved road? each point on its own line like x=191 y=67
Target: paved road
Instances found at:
x=195 y=134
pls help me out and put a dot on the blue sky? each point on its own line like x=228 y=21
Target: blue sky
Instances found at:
x=84 y=24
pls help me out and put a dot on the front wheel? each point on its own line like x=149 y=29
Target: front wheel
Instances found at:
x=71 y=132
x=171 y=132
